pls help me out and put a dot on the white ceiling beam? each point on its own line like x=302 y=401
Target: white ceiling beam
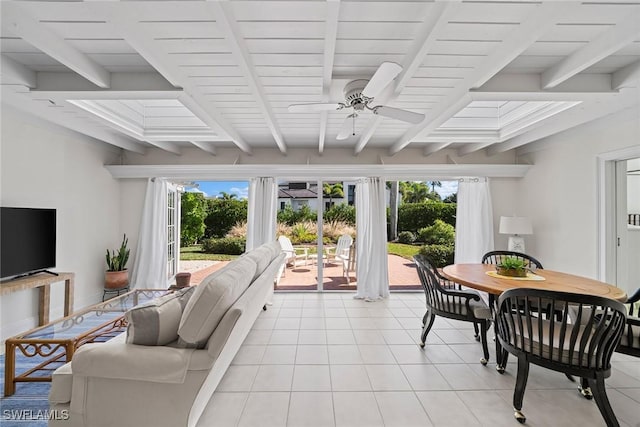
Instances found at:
x=434 y=148
x=134 y=82
x=17 y=20
x=14 y=73
x=205 y=146
x=46 y=111
x=527 y=87
x=244 y=171
x=568 y=119
x=628 y=76
x=65 y=95
x=330 y=38
x=437 y=18
x=602 y=46
x=127 y=26
x=231 y=30
x=514 y=43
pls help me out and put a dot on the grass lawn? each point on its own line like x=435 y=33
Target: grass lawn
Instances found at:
x=405 y=251
x=194 y=253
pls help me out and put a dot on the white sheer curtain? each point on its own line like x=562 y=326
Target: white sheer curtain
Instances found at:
x=474 y=220
x=261 y=221
x=371 y=241
x=150 y=266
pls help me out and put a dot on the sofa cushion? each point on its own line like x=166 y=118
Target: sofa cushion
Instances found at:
x=156 y=322
x=212 y=298
x=262 y=257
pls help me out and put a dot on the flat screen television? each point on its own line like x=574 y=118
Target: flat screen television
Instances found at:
x=27 y=240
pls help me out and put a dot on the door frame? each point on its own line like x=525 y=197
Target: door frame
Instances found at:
x=606 y=210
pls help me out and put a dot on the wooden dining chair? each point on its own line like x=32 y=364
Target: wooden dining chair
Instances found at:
x=447 y=299
x=581 y=343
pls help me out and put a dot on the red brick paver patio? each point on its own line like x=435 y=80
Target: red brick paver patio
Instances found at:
x=402 y=276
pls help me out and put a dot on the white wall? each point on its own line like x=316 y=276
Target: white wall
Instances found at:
x=559 y=192
x=43 y=165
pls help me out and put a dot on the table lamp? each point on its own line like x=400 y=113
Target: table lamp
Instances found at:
x=516 y=226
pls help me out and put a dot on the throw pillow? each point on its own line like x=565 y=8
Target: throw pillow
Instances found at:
x=156 y=322
x=212 y=299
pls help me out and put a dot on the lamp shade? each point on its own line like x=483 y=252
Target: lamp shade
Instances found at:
x=515 y=225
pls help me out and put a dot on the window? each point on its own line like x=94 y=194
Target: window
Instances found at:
x=173 y=205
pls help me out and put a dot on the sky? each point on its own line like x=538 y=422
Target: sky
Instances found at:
x=241 y=188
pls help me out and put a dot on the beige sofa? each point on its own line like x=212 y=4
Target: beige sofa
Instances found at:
x=118 y=383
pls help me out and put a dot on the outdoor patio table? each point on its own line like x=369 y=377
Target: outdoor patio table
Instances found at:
x=482 y=278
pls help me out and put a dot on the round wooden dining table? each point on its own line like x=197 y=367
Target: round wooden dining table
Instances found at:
x=475 y=276
x=482 y=278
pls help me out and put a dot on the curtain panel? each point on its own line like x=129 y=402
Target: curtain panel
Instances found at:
x=371 y=240
x=261 y=215
x=474 y=220
x=150 y=265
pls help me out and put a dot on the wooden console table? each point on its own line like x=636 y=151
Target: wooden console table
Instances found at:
x=43 y=281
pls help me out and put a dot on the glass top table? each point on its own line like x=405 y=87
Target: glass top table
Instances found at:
x=51 y=343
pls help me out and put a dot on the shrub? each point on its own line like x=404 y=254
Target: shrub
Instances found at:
x=303 y=232
x=441 y=255
x=440 y=233
x=414 y=216
x=223 y=215
x=238 y=230
x=341 y=213
x=290 y=216
x=332 y=231
x=406 y=237
x=225 y=245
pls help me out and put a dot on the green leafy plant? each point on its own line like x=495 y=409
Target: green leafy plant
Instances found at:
x=225 y=245
x=439 y=233
x=511 y=266
x=441 y=255
x=512 y=263
x=117 y=261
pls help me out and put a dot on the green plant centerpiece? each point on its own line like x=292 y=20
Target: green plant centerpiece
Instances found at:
x=117 y=276
x=512 y=267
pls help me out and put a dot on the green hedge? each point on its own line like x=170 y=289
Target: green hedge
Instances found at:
x=225 y=245
x=440 y=233
x=414 y=216
x=441 y=255
x=406 y=237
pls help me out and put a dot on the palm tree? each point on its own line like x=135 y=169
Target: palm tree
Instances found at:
x=331 y=191
x=434 y=184
x=226 y=196
x=413 y=192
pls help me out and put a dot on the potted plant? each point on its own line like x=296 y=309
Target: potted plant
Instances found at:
x=117 y=276
x=512 y=266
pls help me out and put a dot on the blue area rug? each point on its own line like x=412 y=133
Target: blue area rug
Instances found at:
x=29 y=405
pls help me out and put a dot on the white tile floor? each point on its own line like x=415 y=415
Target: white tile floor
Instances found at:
x=329 y=360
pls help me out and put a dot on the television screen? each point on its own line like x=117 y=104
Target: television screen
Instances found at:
x=27 y=240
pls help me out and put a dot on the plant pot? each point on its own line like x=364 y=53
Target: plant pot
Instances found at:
x=116 y=279
x=511 y=272
x=182 y=280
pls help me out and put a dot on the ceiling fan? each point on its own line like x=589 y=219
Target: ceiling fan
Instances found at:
x=359 y=95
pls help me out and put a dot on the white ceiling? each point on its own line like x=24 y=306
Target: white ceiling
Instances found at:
x=488 y=75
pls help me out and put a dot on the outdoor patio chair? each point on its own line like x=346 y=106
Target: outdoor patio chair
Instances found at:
x=340 y=254
x=630 y=341
x=580 y=343
x=292 y=254
x=446 y=299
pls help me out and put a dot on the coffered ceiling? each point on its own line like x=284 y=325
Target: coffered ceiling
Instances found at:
x=165 y=75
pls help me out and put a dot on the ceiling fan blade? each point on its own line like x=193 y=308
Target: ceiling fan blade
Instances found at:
x=303 y=108
x=386 y=72
x=398 y=114
x=347 y=128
